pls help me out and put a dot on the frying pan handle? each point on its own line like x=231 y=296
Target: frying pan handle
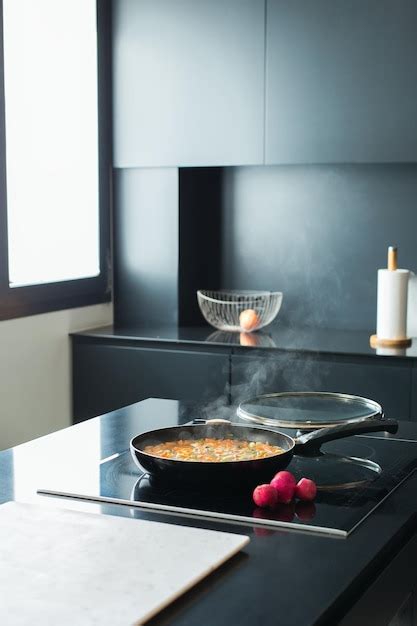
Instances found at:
x=218 y=420
x=200 y=420
x=310 y=442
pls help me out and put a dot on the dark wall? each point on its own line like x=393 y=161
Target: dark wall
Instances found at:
x=319 y=234
x=146 y=246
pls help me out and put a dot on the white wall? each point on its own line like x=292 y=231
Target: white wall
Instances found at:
x=35 y=371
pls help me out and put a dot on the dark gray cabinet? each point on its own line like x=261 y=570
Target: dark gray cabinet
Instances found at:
x=109 y=374
x=388 y=384
x=414 y=393
x=188 y=82
x=391 y=600
x=107 y=377
x=341 y=81
x=200 y=83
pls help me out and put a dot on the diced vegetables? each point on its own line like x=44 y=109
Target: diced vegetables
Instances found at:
x=213 y=450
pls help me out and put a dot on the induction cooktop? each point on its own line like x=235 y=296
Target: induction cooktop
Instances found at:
x=354 y=477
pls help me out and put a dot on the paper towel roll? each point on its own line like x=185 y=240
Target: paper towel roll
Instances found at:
x=392 y=304
x=412 y=306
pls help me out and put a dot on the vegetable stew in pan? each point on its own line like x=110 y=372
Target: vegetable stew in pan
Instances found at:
x=213 y=450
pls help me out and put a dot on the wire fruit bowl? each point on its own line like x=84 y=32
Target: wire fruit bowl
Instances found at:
x=239 y=311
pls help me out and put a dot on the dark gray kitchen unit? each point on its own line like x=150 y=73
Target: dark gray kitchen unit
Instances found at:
x=341 y=83
x=113 y=367
x=108 y=376
x=389 y=383
x=414 y=390
x=188 y=81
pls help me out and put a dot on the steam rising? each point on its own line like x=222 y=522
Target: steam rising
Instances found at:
x=267 y=373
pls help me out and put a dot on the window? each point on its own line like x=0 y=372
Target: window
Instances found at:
x=54 y=155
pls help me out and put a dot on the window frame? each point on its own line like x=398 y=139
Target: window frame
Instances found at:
x=43 y=298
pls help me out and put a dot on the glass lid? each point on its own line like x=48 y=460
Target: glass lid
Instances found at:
x=307 y=410
x=334 y=472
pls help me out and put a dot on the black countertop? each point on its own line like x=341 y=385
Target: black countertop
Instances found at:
x=285 y=577
x=273 y=337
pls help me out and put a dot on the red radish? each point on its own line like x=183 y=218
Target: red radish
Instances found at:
x=284 y=484
x=287 y=475
x=265 y=495
x=306 y=489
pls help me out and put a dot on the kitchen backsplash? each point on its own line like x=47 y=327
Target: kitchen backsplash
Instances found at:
x=319 y=234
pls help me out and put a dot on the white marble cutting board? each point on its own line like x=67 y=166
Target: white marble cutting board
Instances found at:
x=71 y=568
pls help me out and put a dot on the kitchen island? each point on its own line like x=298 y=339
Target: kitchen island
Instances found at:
x=283 y=576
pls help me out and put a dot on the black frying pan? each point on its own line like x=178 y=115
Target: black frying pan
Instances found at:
x=238 y=472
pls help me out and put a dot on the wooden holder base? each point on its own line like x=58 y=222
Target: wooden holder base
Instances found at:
x=376 y=342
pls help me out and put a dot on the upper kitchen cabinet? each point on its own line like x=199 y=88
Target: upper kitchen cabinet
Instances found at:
x=188 y=82
x=341 y=82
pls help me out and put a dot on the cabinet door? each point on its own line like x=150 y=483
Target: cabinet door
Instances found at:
x=188 y=82
x=387 y=384
x=414 y=394
x=341 y=81
x=390 y=599
x=109 y=377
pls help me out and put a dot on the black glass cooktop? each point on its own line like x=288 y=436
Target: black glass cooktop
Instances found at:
x=354 y=476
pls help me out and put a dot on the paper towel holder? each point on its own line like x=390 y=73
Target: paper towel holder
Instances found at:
x=392 y=258
x=380 y=342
